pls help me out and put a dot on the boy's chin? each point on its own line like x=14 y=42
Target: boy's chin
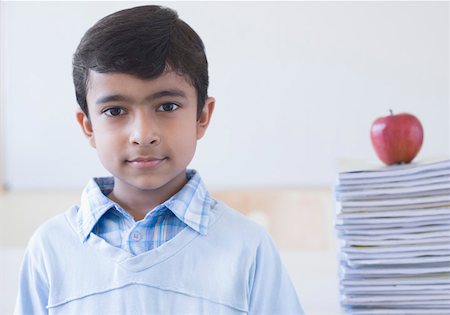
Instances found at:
x=154 y=182
x=147 y=185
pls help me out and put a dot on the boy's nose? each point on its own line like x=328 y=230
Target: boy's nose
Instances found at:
x=144 y=132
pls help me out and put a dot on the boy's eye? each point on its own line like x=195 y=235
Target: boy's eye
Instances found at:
x=167 y=107
x=115 y=111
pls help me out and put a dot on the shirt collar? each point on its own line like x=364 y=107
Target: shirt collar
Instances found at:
x=191 y=204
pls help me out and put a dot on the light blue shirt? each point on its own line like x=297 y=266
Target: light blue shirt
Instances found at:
x=232 y=268
x=107 y=219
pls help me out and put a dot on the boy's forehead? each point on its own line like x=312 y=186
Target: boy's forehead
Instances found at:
x=101 y=84
x=120 y=78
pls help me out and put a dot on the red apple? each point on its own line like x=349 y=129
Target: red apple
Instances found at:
x=397 y=138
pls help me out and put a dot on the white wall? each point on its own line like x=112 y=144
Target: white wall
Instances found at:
x=297 y=84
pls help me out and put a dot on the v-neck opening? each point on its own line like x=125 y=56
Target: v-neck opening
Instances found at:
x=148 y=258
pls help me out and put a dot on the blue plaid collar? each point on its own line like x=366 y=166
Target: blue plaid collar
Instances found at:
x=191 y=204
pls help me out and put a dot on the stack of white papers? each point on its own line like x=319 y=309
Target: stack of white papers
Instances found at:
x=393 y=226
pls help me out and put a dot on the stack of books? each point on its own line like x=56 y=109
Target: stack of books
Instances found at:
x=393 y=226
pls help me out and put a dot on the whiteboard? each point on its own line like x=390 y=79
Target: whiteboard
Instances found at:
x=297 y=85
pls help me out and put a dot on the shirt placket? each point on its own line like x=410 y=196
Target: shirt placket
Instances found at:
x=144 y=235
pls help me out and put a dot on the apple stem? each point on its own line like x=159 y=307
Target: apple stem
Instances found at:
x=390 y=110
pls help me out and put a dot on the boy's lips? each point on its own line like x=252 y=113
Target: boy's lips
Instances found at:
x=146 y=162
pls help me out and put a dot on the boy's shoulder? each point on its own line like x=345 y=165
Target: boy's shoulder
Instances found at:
x=237 y=217
x=55 y=230
x=231 y=221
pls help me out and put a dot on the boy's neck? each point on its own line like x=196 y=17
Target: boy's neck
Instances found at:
x=139 y=202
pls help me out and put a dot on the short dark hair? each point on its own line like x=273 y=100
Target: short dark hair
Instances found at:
x=142 y=41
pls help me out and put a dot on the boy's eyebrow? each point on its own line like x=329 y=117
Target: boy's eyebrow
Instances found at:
x=151 y=97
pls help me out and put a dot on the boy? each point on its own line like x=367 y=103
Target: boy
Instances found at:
x=149 y=239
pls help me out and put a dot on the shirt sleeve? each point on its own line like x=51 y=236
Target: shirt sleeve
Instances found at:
x=271 y=290
x=32 y=297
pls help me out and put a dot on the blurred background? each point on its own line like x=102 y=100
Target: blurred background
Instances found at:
x=297 y=85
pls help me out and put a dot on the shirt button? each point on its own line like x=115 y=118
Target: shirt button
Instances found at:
x=136 y=236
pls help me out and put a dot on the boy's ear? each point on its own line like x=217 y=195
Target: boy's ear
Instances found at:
x=86 y=126
x=205 y=117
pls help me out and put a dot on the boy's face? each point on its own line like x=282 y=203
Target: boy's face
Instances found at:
x=145 y=131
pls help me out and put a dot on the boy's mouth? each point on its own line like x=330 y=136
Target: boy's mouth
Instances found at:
x=146 y=162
